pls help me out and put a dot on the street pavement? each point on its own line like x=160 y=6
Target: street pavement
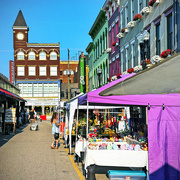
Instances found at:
x=28 y=156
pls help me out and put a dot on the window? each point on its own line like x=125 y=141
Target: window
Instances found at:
x=109 y=39
x=169 y=32
x=20 y=55
x=111 y=69
x=122 y=62
x=30 y=90
x=112 y=9
x=132 y=10
x=31 y=56
x=117 y=30
x=133 y=55
x=115 y=67
x=32 y=71
x=109 y=14
x=127 y=59
x=53 y=71
x=158 y=39
x=113 y=38
x=20 y=71
x=121 y=21
x=42 y=71
x=61 y=73
x=35 y=90
x=53 y=56
x=126 y=15
x=42 y=56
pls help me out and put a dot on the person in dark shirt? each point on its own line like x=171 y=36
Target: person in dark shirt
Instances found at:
x=32 y=118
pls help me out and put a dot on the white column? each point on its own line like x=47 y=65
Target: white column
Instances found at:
x=153 y=40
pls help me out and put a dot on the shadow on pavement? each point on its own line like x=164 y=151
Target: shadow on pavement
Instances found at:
x=5 y=138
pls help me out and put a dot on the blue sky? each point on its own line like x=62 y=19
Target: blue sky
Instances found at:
x=67 y=22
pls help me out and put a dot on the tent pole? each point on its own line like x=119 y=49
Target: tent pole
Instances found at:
x=87 y=120
x=77 y=121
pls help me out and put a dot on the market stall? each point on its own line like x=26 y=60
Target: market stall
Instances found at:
x=157 y=89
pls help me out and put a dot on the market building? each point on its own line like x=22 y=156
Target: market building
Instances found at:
x=98 y=58
x=36 y=69
x=9 y=98
x=111 y=7
x=74 y=88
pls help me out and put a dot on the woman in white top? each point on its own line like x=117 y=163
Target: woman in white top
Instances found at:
x=55 y=129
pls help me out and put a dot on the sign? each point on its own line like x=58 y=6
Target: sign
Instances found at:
x=82 y=82
x=11 y=71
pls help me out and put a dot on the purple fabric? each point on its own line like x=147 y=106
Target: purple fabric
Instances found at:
x=82 y=100
x=164 y=143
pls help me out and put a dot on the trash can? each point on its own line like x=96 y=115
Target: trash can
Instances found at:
x=126 y=175
x=91 y=173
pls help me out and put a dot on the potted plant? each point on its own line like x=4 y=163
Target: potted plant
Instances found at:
x=109 y=79
x=165 y=53
x=148 y=61
x=123 y=29
x=137 y=17
x=119 y=75
x=151 y=2
x=131 y=70
x=114 y=43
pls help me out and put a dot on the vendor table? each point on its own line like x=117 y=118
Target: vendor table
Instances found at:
x=81 y=145
x=119 y=158
x=14 y=126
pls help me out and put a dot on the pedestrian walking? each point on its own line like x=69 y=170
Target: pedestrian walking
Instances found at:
x=55 y=129
x=31 y=116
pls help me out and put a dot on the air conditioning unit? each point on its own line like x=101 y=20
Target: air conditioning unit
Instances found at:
x=120 y=35
x=131 y=24
x=108 y=50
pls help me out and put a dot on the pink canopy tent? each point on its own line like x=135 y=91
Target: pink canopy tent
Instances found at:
x=163 y=112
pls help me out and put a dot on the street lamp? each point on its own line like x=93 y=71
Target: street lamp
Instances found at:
x=99 y=72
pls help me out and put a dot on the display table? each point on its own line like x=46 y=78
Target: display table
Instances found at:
x=81 y=145
x=119 y=158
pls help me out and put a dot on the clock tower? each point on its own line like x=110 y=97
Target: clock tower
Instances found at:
x=20 y=32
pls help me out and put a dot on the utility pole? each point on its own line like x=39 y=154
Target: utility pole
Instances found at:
x=68 y=77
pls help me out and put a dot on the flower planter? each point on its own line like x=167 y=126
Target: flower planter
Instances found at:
x=131 y=24
x=145 y=11
x=126 y=31
x=108 y=50
x=156 y=3
x=137 y=17
x=120 y=35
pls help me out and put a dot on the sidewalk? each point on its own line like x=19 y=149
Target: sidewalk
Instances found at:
x=28 y=156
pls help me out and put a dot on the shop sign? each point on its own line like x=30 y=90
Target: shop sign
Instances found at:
x=82 y=82
x=11 y=71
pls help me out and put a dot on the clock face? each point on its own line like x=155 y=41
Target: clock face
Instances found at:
x=20 y=36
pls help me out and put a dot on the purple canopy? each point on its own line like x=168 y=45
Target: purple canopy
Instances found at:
x=163 y=126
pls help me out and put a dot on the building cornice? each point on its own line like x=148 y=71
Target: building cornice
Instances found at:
x=42 y=44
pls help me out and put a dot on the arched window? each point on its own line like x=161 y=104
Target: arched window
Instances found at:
x=20 y=55
x=53 y=56
x=42 y=56
x=31 y=56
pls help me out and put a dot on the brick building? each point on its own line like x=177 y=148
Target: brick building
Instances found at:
x=36 y=69
x=74 y=89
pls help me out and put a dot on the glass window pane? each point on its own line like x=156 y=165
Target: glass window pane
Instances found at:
x=20 y=71
x=42 y=71
x=31 y=56
x=20 y=55
x=42 y=56
x=53 y=71
x=32 y=71
x=53 y=56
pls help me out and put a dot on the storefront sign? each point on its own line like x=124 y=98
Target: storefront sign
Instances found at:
x=11 y=71
x=82 y=82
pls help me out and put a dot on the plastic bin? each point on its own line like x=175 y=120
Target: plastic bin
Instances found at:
x=126 y=175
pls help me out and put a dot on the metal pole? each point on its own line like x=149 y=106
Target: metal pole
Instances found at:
x=68 y=77
x=77 y=121
x=87 y=120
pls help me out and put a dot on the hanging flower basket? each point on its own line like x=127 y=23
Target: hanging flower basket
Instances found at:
x=123 y=29
x=119 y=75
x=131 y=70
x=165 y=53
x=114 y=43
x=109 y=79
x=137 y=17
x=151 y=2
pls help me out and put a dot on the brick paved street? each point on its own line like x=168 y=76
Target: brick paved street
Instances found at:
x=28 y=155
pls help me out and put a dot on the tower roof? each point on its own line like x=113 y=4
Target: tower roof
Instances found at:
x=20 y=21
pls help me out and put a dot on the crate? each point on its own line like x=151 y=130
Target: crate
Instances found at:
x=126 y=175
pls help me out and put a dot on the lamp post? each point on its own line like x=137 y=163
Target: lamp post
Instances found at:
x=99 y=72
